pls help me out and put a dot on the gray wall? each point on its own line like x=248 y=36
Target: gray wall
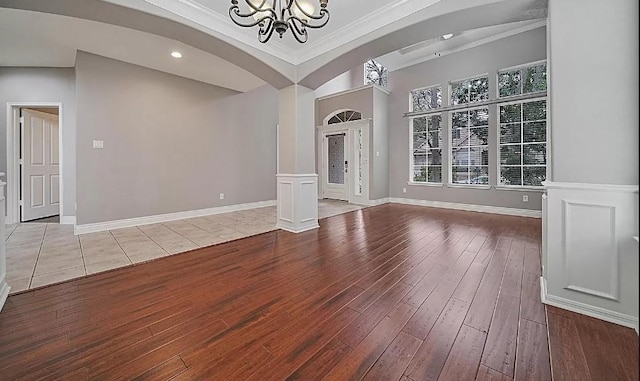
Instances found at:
x=489 y=58
x=594 y=90
x=380 y=145
x=44 y=85
x=359 y=100
x=170 y=144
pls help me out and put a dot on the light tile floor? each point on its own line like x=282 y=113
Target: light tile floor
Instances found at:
x=45 y=253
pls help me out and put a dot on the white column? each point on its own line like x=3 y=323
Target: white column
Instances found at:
x=297 y=181
x=4 y=287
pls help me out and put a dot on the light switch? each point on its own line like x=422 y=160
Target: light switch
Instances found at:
x=98 y=144
x=377 y=153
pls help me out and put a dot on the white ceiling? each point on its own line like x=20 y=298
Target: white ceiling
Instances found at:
x=350 y=20
x=41 y=39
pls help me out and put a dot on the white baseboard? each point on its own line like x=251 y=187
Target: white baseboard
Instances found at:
x=469 y=207
x=67 y=220
x=130 y=222
x=379 y=201
x=585 y=309
x=290 y=229
x=4 y=291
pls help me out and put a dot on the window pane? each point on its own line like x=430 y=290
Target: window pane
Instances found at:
x=535 y=79
x=510 y=113
x=376 y=74
x=534 y=111
x=511 y=155
x=435 y=174
x=419 y=142
x=459 y=93
x=426 y=99
x=460 y=175
x=479 y=175
x=510 y=133
x=479 y=89
x=534 y=176
x=478 y=156
x=419 y=174
x=459 y=137
x=479 y=136
x=479 y=117
x=420 y=158
x=420 y=124
x=534 y=154
x=435 y=139
x=534 y=132
x=510 y=175
x=460 y=156
x=459 y=119
x=435 y=156
x=509 y=83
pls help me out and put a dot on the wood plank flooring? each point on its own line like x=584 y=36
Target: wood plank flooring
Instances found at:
x=391 y=292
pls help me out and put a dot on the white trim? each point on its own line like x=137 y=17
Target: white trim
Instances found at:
x=469 y=207
x=297 y=175
x=591 y=187
x=437 y=185
x=585 y=309
x=67 y=220
x=138 y=221
x=519 y=188
x=4 y=291
x=13 y=149
x=360 y=88
x=380 y=201
x=472 y=45
x=470 y=186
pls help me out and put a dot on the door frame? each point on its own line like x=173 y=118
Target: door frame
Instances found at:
x=13 y=160
x=346 y=135
x=348 y=128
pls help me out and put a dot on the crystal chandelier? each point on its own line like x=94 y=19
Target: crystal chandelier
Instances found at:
x=280 y=16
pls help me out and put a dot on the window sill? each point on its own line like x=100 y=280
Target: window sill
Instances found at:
x=467 y=186
x=519 y=189
x=437 y=185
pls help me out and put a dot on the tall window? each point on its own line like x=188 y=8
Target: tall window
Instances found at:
x=470 y=90
x=525 y=80
x=426 y=158
x=375 y=73
x=470 y=146
x=523 y=143
x=426 y=98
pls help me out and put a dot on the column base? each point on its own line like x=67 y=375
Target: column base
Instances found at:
x=4 y=291
x=297 y=202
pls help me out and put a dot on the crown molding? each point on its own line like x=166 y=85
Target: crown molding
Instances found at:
x=197 y=13
x=470 y=45
x=396 y=10
x=203 y=16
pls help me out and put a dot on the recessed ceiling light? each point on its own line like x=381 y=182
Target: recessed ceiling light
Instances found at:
x=176 y=54
x=447 y=36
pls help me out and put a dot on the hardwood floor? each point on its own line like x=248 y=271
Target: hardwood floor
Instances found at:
x=391 y=292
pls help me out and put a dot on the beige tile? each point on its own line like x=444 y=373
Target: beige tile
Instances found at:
x=22 y=270
x=169 y=240
x=8 y=229
x=67 y=251
x=146 y=255
x=54 y=265
x=112 y=263
x=96 y=238
x=194 y=234
x=138 y=248
x=66 y=274
x=26 y=237
x=18 y=285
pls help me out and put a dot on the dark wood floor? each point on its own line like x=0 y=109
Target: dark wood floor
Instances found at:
x=386 y=293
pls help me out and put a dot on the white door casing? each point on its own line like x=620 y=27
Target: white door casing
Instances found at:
x=40 y=177
x=356 y=154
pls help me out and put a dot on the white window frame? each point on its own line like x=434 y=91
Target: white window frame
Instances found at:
x=520 y=67
x=499 y=145
x=450 y=165
x=450 y=97
x=425 y=88
x=411 y=163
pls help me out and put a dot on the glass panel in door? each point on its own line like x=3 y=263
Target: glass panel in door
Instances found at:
x=335 y=159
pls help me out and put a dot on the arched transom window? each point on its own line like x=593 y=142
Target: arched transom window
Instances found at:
x=345 y=116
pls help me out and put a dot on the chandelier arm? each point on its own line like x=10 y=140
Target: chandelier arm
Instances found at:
x=312 y=26
x=300 y=35
x=265 y=33
x=300 y=29
x=236 y=16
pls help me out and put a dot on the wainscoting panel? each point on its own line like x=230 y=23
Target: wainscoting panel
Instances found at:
x=589 y=254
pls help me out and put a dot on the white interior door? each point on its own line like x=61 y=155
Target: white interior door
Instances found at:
x=40 y=175
x=336 y=166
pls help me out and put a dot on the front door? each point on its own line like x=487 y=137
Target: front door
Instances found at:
x=336 y=166
x=40 y=176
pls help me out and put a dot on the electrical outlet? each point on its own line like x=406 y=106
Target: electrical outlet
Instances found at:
x=525 y=198
x=221 y=196
x=98 y=144
x=404 y=190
